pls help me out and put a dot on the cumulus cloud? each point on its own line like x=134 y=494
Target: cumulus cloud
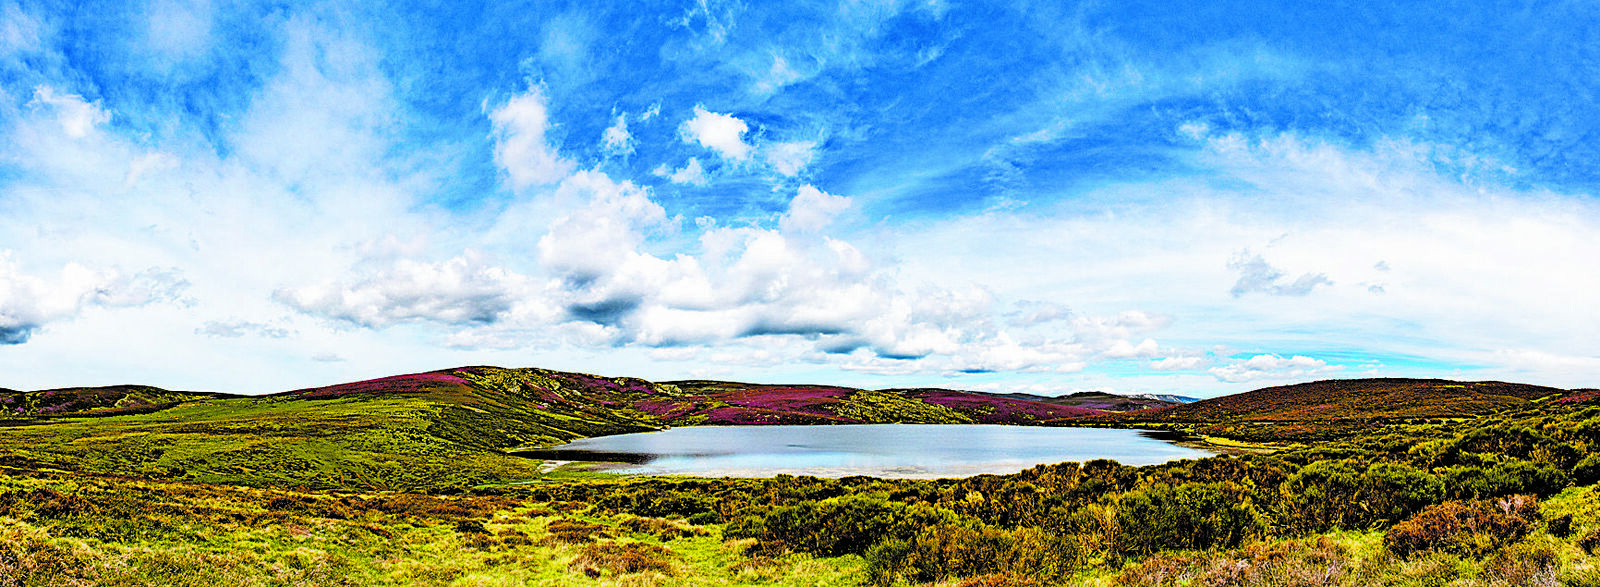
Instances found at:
x=722 y=133
x=28 y=302
x=1272 y=367
x=604 y=233
x=1256 y=275
x=460 y=291
x=811 y=210
x=691 y=173
x=521 y=145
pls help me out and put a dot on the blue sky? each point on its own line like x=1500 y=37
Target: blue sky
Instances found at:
x=1043 y=197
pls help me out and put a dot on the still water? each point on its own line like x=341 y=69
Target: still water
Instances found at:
x=879 y=450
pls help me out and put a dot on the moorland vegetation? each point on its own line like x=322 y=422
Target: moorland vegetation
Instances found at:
x=409 y=481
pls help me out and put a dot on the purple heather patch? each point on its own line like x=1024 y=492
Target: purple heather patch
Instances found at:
x=416 y=383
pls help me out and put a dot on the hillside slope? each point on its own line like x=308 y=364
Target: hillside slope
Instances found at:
x=448 y=428
x=108 y=400
x=1337 y=407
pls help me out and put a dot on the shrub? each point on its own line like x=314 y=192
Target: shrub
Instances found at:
x=1523 y=563
x=1395 y=492
x=1188 y=516
x=1590 y=542
x=837 y=526
x=1324 y=495
x=944 y=552
x=1469 y=528
x=1504 y=478
x=1588 y=470
x=622 y=557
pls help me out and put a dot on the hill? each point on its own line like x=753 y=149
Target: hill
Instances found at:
x=1337 y=407
x=92 y=401
x=448 y=428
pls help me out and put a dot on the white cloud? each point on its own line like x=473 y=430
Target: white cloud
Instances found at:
x=1256 y=275
x=691 y=173
x=790 y=158
x=1123 y=349
x=1273 y=367
x=460 y=291
x=811 y=210
x=722 y=133
x=521 y=145
x=1178 y=363
x=616 y=139
x=603 y=234
x=29 y=303
x=233 y=328
x=76 y=116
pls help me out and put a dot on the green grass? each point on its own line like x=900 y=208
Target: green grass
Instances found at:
x=74 y=530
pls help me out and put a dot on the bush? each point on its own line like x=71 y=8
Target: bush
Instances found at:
x=1590 y=542
x=1523 y=564
x=1395 y=492
x=1188 y=516
x=1468 y=528
x=944 y=552
x=1324 y=495
x=1588 y=470
x=837 y=526
x=1504 y=478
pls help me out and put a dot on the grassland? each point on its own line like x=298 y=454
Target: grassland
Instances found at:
x=406 y=481
x=443 y=430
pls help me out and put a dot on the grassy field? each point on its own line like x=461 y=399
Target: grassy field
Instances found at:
x=404 y=481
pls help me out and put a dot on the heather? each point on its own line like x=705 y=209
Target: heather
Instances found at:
x=410 y=481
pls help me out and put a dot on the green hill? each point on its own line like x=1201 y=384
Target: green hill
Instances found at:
x=449 y=428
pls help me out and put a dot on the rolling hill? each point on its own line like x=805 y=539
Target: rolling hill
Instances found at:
x=448 y=428
x=462 y=427
x=1323 y=409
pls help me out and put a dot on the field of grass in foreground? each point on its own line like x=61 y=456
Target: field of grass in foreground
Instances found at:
x=96 y=531
x=403 y=486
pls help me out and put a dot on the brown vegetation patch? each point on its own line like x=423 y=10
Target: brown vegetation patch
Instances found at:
x=1471 y=528
x=662 y=528
x=575 y=531
x=621 y=558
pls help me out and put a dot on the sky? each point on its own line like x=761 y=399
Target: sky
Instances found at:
x=1041 y=197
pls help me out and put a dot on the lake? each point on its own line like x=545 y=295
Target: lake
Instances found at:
x=879 y=450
